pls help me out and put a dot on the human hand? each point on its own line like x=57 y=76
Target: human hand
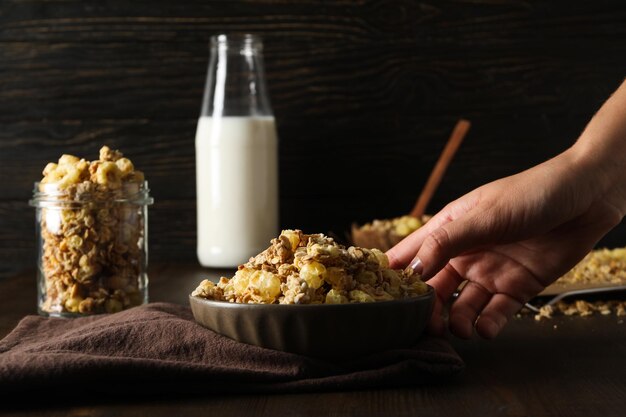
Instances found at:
x=507 y=240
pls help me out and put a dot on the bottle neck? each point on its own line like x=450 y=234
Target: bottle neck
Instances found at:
x=235 y=84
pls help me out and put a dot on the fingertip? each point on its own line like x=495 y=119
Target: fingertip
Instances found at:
x=416 y=266
x=496 y=315
x=394 y=261
x=487 y=328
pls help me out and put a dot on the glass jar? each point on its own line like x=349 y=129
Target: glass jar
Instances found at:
x=92 y=248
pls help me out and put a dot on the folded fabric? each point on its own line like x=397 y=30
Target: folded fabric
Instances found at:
x=158 y=348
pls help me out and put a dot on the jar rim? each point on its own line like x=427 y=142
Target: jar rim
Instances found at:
x=49 y=194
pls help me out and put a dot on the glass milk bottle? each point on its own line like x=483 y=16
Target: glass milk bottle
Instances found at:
x=236 y=156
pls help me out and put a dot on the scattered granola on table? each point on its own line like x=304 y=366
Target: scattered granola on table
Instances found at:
x=300 y=268
x=91 y=218
x=600 y=267
x=582 y=308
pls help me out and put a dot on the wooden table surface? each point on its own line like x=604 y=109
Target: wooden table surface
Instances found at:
x=565 y=366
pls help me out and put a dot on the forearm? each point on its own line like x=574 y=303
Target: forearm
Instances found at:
x=601 y=150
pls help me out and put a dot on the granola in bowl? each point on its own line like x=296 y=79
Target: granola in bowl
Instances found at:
x=299 y=268
x=308 y=295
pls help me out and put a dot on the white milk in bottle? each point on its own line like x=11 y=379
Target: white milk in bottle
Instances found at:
x=236 y=180
x=236 y=156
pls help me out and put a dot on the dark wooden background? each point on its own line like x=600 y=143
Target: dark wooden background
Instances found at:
x=365 y=94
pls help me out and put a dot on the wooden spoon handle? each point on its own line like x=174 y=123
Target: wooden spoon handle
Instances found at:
x=459 y=132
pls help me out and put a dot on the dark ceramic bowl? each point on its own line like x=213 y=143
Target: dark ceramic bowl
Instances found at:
x=320 y=330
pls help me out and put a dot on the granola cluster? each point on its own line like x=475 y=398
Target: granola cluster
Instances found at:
x=92 y=233
x=300 y=268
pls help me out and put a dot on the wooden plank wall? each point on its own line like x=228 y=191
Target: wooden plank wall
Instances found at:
x=365 y=94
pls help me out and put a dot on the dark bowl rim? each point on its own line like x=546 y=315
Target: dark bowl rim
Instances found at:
x=227 y=304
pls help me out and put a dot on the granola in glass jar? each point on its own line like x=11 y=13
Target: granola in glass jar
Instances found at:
x=91 y=225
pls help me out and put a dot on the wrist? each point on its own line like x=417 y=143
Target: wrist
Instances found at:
x=602 y=169
x=601 y=150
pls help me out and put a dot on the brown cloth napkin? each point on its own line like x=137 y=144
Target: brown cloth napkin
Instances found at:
x=158 y=348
